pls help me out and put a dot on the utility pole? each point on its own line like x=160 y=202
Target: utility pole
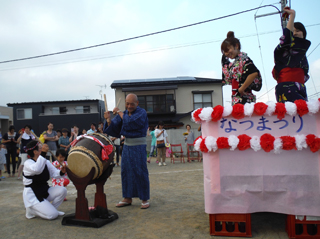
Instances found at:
x=102 y=86
x=283 y=21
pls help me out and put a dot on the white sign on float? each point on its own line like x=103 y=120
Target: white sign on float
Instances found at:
x=248 y=181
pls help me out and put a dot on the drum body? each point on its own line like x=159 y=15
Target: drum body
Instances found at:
x=86 y=154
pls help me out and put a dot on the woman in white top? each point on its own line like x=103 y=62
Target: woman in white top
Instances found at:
x=162 y=139
x=37 y=194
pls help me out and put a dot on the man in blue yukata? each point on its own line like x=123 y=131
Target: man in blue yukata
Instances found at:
x=133 y=124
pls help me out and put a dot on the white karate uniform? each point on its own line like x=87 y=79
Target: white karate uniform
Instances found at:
x=34 y=207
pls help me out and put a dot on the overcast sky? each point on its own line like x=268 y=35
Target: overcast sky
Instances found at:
x=31 y=28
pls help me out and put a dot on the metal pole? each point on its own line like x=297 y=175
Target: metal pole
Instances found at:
x=284 y=21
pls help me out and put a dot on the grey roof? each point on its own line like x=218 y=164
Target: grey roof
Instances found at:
x=59 y=101
x=159 y=81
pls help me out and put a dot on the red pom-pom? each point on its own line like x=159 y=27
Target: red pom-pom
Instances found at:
x=302 y=107
x=200 y=137
x=244 y=142
x=288 y=142
x=266 y=142
x=203 y=146
x=280 y=110
x=238 y=111
x=313 y=142
x=217 y=113
x=196 y=115
x=222 y=143
x=260 y=108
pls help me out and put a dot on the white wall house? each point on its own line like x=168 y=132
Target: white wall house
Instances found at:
x=171 y=100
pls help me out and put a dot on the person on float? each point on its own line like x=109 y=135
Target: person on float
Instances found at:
x=291 y=63
x=40 y=199
x=241 y=74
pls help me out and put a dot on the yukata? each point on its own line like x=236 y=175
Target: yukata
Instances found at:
x=291 y=67
x=63 y=181
x=134 y=171
x=235 y=74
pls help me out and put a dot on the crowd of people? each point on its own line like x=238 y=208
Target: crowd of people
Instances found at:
x=13 y=155
x=37 y=160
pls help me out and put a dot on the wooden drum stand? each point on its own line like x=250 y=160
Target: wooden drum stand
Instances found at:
x=100 y=215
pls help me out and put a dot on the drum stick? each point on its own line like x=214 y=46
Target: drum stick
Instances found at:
x=105 y=102
x=48 y=150
x=117 y=106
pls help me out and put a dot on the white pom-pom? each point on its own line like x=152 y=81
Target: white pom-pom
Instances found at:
x=211 y=143
x=313 y=106
x=271 y=108
x=291 y=108
x=233 y=142
x=197 y=144
x=277 y=144
x=301 y=141
x=248 y=109
x=255 y=143
x=205 y=114
x=227 y=110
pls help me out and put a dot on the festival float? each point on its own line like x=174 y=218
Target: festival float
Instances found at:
x=261 y=157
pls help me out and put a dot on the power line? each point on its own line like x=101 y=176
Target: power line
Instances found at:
x=264 y=71
x=141 y=36
x=182 y=45
x=127 y=54
x=314 y=49
x=136 y=53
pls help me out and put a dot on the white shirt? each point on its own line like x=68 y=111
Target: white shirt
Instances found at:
x=162 y=136
x=33 y=168
x=117 y=141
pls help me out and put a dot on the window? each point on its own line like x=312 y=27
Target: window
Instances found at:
x=24 y=114
x=202 y=100
x=59 y=110
x=82 y=109
x=86 y=109
x=157 y=104
x=63 y=110
x=55 y=110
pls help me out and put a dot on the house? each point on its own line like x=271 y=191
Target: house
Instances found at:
x=63 y=114
x=171 y=99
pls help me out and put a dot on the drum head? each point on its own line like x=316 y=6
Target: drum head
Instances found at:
x=80 y=163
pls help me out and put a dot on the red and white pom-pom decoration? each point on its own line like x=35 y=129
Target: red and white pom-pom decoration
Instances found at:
x=266 y=142
x=299 y=107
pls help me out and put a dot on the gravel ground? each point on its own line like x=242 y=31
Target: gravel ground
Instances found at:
x=176 y=210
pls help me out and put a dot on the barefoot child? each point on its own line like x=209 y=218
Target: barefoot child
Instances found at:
x=64 y=181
